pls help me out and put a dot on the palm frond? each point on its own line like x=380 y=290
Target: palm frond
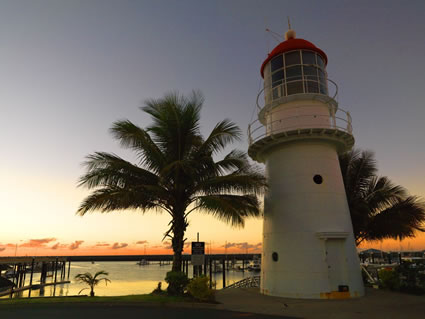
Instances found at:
x=357 y=167
x=233 y=209
x=105 y=169
x=236 y=160
x=249 y=183
x=382 y=193
x=175 y=123
x=379 y=209
x=223 y=133
x=134 y=137
x=114 y=198
x=398 y=221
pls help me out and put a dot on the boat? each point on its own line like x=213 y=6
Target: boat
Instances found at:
x=238 y=268
x=10 y=274
x=255 y=265
x=142 y=262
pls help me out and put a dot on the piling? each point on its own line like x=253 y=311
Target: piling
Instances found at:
x=56 y=274
x=69 y=268
x=43 y=273
x=224 y=273
x=32 y=273
x=210 y=260
x=25 y=274
x=62 y=265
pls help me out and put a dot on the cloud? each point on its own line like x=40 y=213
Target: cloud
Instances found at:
x=58 y=246
x=119 y=245
x=243 y=245
x=102 y=245
x=76 y=244
x=141 y=242
x=36 y=243
x=2 y=248
x=167 y=245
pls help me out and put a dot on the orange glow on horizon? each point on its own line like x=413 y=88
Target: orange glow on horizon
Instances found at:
x=48 y=247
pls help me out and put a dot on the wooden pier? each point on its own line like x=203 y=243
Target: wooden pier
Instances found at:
x=21 y=266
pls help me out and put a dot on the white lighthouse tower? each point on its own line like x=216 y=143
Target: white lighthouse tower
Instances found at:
x=308 y=244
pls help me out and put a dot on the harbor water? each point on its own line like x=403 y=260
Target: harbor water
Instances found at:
x=127 y=278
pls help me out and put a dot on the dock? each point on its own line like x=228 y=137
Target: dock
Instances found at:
x=21 y=266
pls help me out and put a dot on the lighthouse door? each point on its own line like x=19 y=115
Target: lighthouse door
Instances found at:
x=335 y=262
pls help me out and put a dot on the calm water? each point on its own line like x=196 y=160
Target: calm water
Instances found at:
x=127 y=278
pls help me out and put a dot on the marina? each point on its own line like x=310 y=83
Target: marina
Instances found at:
x=54 y=276
x=140 y=274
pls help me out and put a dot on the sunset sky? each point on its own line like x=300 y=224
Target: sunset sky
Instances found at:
x=71 y=68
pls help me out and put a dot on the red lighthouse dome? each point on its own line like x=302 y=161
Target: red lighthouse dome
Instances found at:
x=292 y=44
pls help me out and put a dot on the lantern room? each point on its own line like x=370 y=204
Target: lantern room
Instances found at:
x=295 y=66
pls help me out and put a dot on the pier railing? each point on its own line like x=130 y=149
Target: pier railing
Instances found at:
x=250 y=282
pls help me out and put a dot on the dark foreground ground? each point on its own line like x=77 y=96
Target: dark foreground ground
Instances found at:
x=232 y=303
x=376 y=304
x=130 y=311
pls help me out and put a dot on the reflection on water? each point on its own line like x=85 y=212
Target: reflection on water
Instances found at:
x=127 y=278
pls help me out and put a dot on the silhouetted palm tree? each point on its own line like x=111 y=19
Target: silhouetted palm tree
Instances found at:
x=92 y=281
x=177 y=170
x=379 y=209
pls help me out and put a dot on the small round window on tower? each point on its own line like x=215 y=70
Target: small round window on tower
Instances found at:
x=275 y=256
x=318 y=179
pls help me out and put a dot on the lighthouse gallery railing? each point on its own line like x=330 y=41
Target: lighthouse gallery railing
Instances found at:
x=337 y=120
x=273 y=92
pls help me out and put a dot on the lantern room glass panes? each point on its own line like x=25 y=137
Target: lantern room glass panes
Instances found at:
x=277 y=78
x=292 y=58
x=309 y=57
x=320 y=62
x=296 y=72
x=310 y=72
x=277 y=63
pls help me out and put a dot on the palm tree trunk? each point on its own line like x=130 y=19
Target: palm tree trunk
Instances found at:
x=91 y=291
x=179 y=228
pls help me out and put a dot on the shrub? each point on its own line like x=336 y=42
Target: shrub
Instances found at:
x=389 y=279
x=158 y=290
x=177 y=282
x=199 y=289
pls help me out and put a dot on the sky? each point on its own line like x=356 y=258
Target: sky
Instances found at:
x=69 y=69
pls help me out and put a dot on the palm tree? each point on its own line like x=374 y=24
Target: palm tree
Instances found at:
x=379 y=209
x=177 y=172
x=92 y=281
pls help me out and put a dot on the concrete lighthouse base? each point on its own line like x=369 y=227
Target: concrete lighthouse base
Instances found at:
x=308 y=244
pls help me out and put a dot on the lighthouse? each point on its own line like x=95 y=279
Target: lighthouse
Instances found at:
x=308 y=243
